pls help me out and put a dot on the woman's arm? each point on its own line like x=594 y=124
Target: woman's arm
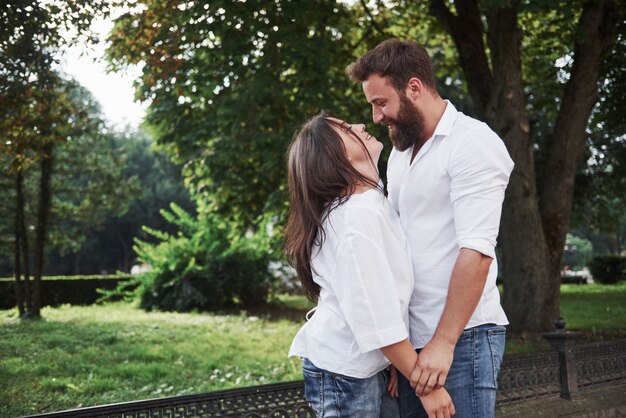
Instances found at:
x=403 y=356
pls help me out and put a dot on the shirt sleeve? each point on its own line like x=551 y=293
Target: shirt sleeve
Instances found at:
x=479 y=169
x=363 y=282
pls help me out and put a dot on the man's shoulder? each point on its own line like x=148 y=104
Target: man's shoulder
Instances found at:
x=467 y=126
x=471 y=133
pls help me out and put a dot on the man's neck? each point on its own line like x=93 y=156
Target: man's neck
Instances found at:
x=432 y=115
x=433 y=112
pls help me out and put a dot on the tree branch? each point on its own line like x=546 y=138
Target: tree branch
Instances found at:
x=374 y=24
x=504 y=40
x=467 y=32
x=596 y=34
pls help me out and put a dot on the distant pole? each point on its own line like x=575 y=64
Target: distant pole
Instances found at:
x=562 y=342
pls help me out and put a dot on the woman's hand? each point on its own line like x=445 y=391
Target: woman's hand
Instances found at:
x=438 y=404
x=392 y=386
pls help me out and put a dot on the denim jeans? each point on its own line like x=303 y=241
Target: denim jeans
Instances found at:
x=335 y=395
x=473 y=377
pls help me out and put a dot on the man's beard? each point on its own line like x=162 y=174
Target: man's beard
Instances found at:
x=408 y=125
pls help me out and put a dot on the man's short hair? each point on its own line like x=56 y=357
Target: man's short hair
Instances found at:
x=397 y=60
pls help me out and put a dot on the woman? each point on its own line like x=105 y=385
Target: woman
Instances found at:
x=348 y=249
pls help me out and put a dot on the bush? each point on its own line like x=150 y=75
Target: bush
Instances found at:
x=205 y=267
x=608 y=268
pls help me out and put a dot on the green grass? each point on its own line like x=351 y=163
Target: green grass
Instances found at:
x=596 y=309
x=83 y=356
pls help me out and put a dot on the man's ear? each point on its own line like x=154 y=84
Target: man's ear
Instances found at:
x=414 y=88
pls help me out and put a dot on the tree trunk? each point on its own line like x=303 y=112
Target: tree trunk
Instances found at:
x=594 y=39
x=43 y=214
x=19 y=297
x=23 y=239
x=532 y=236
x=524 y=250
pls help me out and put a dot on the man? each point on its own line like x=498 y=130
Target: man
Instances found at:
x=446 y=179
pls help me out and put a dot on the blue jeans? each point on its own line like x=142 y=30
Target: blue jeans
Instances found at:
x=335 y=395
x=473 y=377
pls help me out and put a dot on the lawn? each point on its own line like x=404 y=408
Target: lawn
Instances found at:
x=597 y=311
x=89 y=355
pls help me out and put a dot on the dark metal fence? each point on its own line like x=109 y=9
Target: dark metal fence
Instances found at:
x=522 y=376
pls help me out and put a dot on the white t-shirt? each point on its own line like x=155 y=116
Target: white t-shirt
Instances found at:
x=364 y=271
x=450 y=197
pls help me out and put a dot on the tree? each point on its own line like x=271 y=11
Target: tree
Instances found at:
x=73 y=181
x=229 y=82
x=599 y=205
x=158 y=184
x=489 y=38
x=37 y=113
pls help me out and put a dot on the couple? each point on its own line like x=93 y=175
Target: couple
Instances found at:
x=410 y=280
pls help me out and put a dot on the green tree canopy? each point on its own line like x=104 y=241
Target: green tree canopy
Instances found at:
x=230 y=81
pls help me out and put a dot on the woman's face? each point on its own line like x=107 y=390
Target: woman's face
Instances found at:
x=356 y=152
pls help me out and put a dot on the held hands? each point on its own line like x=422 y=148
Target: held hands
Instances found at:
x=431 y=369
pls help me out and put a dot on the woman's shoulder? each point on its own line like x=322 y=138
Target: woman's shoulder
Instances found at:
x=367 y=209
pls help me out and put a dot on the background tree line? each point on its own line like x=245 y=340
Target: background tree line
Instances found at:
x=229 y=82
x=66 y=175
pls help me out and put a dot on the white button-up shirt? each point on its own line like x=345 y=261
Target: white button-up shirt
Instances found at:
x=364 y=271
x=450 y=197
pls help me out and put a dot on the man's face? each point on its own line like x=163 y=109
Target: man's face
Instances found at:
x=404 y=121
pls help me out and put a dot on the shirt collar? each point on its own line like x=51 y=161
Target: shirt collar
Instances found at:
x=444 y=127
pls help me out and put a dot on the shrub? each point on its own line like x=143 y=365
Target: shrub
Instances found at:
x=608 y=268
x=206 y=266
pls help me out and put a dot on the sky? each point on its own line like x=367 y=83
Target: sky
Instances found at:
x=114 y=91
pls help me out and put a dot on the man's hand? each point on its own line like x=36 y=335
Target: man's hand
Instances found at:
x=431 y=369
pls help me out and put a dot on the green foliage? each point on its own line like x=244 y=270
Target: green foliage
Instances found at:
x=156 y=183
x=578 y=252
x=608 y=268
x=205 y=266
x=87 y=181
x=231 y=81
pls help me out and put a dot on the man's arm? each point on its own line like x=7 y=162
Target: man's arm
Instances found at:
x=466 y=287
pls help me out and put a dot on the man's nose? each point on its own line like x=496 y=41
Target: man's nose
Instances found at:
x=377 y=116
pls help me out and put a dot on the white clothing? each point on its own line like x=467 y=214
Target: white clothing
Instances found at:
x=450 y=197
x=364 y=271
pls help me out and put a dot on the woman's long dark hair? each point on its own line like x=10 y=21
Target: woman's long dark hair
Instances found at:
x=320 y=178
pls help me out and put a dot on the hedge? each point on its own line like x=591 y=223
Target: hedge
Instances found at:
x=57 y=290
x=608 y=268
